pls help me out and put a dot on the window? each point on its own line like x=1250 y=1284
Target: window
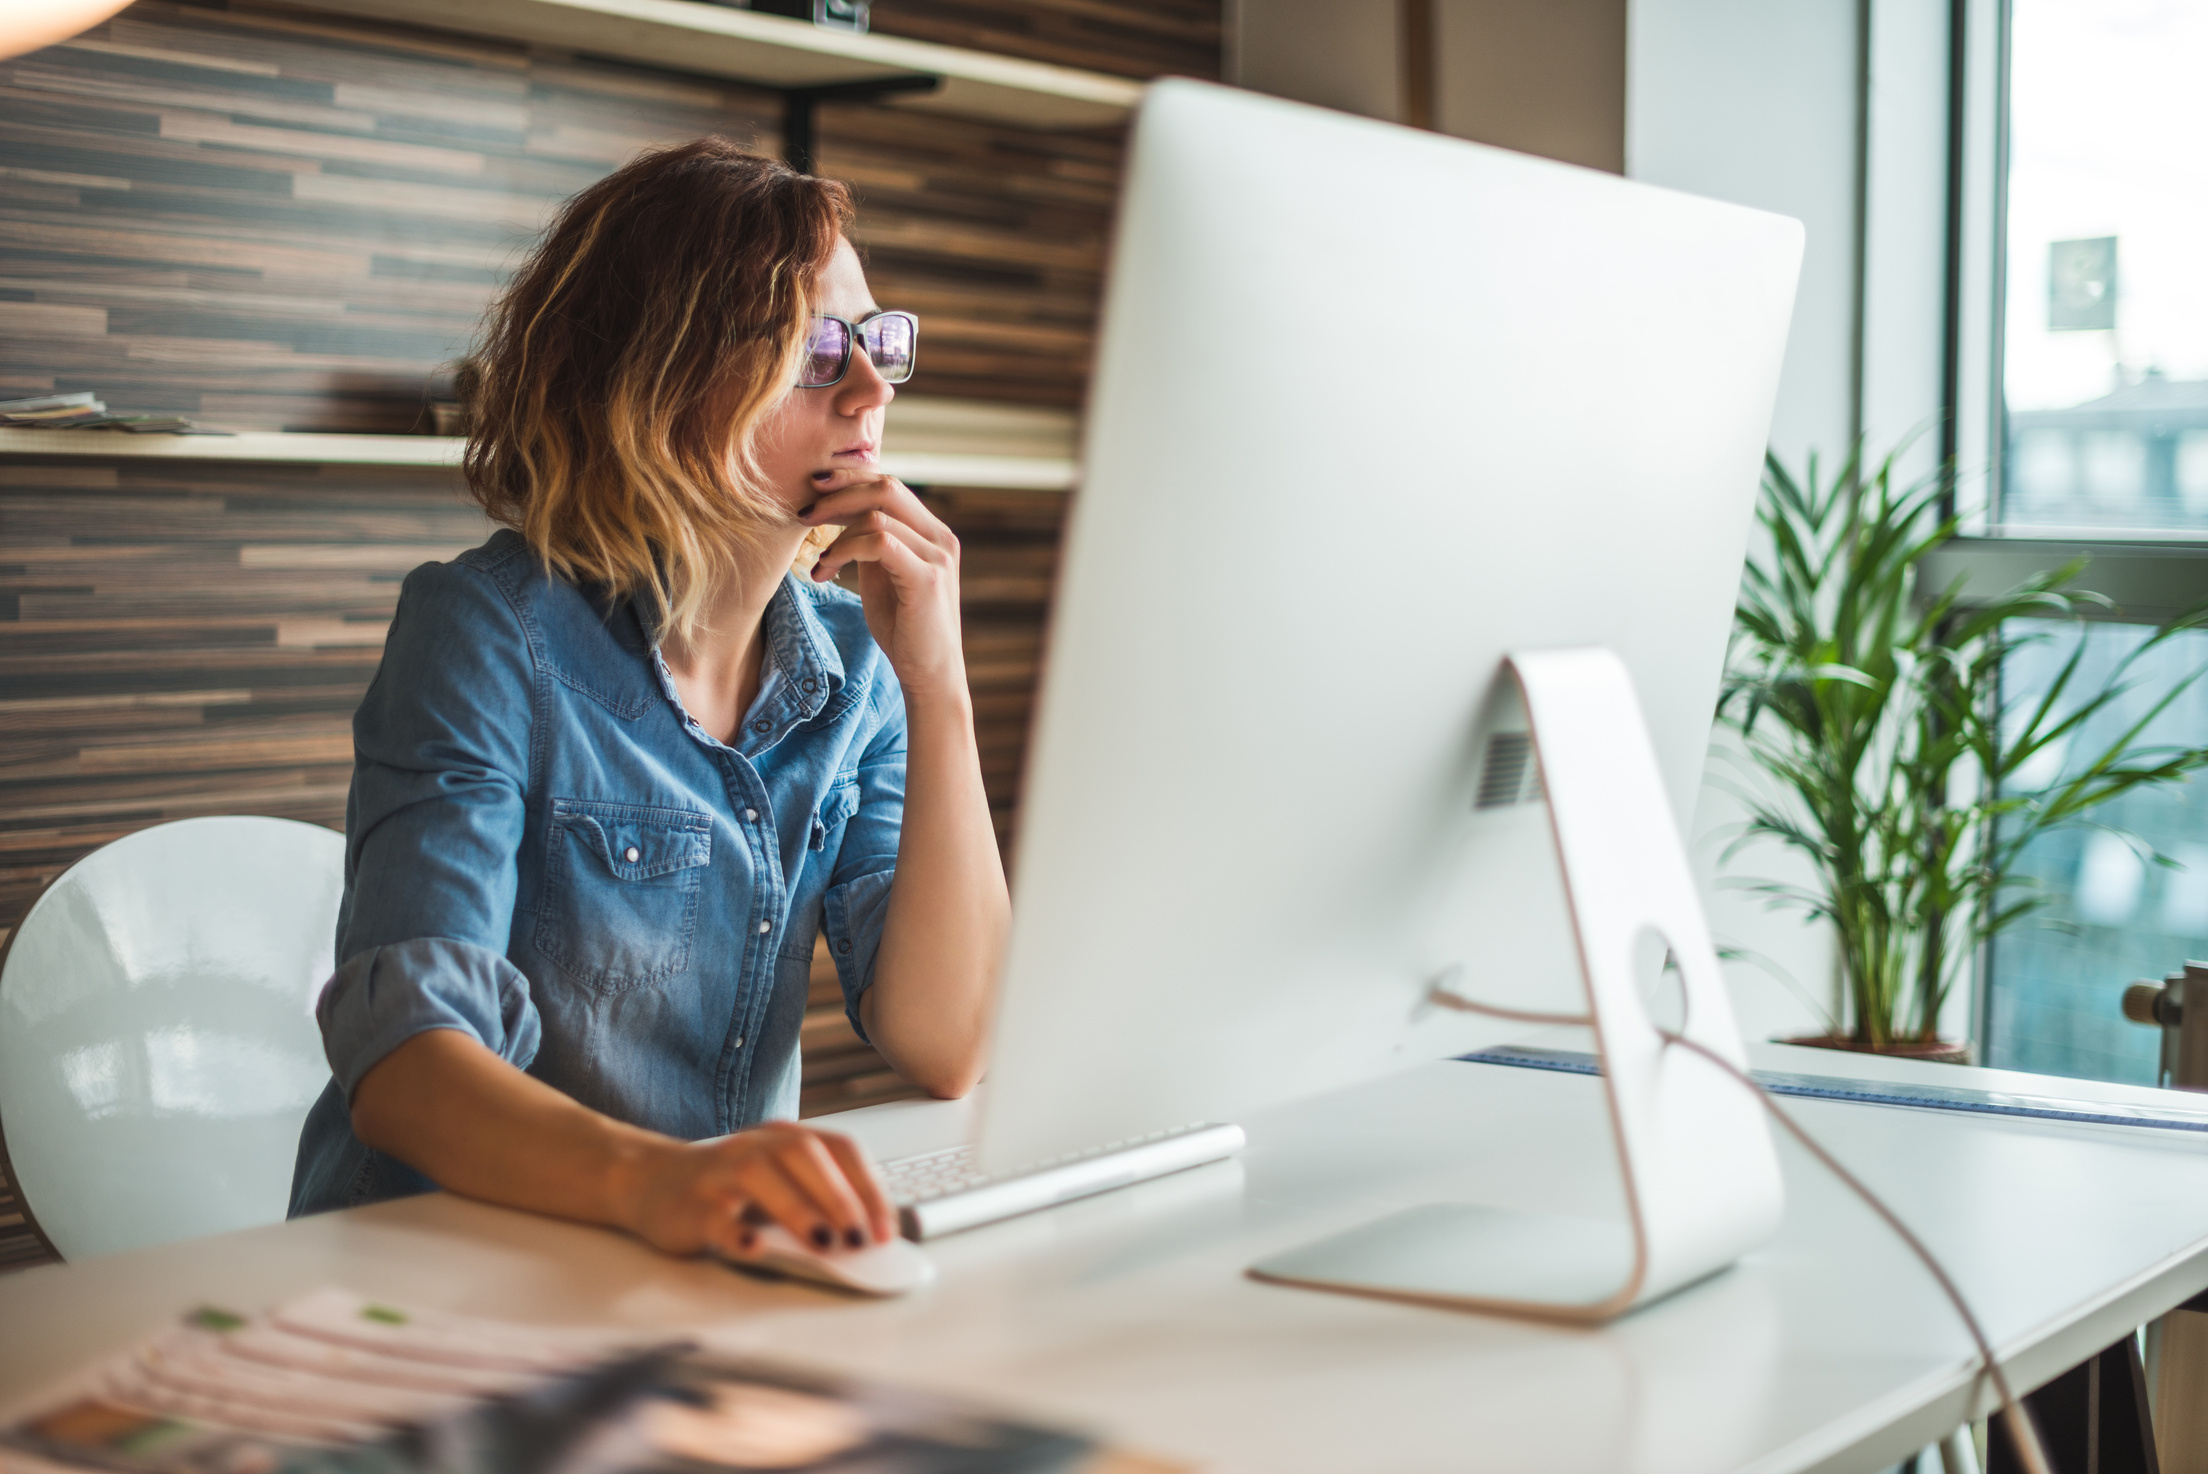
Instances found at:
x=2104 y=368
x=2103 y=378
x=2123 y=902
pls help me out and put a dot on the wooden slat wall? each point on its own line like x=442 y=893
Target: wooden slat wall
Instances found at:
x=192 y=639
x=1135 y=38
x=276 y=220
x=995 y=237
x=1009 y=544
x=20 y=1247
x=273 y=219
x=184 y=639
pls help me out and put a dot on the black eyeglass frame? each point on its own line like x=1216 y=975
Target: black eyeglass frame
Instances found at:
x=854 y=341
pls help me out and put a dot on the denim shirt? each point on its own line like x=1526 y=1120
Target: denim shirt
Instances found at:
x=546 y=853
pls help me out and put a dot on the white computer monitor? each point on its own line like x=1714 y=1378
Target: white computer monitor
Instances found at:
x=1372 y=408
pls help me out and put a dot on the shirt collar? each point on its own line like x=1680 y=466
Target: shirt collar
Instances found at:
x=804 y=667
x=801 y=670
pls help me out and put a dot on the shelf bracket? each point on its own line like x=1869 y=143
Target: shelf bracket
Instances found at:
x=798 y=104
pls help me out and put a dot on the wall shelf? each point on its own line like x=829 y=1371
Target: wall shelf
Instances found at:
x=690 y=36
x=939 y=442
x=253 y=445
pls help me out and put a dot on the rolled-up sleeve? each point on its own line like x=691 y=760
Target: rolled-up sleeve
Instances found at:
x=857 y=900
x=434 y=830
x=385 y=996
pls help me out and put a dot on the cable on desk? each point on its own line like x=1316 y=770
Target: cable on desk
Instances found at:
x=2021 y=1432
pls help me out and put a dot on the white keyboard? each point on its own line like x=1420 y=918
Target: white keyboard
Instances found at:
x=943 y=1191
x=932 y=1174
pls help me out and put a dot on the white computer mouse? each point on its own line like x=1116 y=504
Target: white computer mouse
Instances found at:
x=894 y=1268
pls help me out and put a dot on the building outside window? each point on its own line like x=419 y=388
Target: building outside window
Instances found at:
x=2102 y=368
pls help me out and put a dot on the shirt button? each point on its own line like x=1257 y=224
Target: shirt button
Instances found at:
x=765 y=927
x=739 y=1041
x=844 y=945
x=751 y=816
x=811 y=685
x=632 y=854
x=761 y=725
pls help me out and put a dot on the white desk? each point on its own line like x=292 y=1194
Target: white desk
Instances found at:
x=1130 y=1315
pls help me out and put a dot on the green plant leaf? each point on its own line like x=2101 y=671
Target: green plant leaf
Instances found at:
x=1870 y=707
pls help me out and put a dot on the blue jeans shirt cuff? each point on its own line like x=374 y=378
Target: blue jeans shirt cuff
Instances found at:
x=855 y=912
x=384 y=996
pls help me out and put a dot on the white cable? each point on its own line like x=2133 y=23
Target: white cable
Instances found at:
x=2022 y=1434
x=2021 y=1431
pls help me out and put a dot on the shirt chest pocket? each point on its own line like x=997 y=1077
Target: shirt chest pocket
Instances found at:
x=840 y=804
x=621 y=885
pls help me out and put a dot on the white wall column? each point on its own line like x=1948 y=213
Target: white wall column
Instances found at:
x=1905 y=201
x=1760 y=104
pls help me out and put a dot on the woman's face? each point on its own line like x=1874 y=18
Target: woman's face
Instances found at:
x=816 y=433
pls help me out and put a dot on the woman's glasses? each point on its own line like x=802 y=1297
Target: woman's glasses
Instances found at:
x=891 y=340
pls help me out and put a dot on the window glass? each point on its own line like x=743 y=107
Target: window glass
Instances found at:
x=2127 y=898
x=2105 y=332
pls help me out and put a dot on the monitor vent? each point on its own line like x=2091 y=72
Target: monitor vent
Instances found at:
x=1509 y=775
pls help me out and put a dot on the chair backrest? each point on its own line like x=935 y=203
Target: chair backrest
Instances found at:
x=158 y=1049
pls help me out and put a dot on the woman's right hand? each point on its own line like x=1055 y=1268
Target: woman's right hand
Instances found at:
x=684 y=1197
x=529 y=1146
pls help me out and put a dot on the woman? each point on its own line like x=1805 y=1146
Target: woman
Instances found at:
x=622 y=764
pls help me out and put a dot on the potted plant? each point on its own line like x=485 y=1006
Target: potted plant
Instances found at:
x=1872 y=708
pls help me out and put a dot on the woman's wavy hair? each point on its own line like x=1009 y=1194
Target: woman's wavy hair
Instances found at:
x=626 y=371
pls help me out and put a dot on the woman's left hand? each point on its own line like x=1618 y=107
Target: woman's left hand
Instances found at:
x=908 y=575
x=943 y=937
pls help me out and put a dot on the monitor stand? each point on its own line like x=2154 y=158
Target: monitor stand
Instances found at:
x=1701 y=1179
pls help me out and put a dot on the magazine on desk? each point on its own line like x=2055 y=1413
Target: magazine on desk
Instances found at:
x=336 y=1384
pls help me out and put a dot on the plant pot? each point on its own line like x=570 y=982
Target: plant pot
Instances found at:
x=1938 y=1051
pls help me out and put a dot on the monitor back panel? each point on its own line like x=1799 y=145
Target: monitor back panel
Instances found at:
x=1372 y=408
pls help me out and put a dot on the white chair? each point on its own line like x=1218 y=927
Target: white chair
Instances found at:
x=158 y=1049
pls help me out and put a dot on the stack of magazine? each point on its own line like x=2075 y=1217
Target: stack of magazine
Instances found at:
x=333 y=1383
x=87 y=411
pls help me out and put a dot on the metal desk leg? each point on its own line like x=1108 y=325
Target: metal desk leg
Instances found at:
x=2092 y=1419
x=2181 y=1390
x=1958 y=1454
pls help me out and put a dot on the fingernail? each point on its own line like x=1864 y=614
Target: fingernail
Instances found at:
x=855 y=1237
x=822 y=1238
